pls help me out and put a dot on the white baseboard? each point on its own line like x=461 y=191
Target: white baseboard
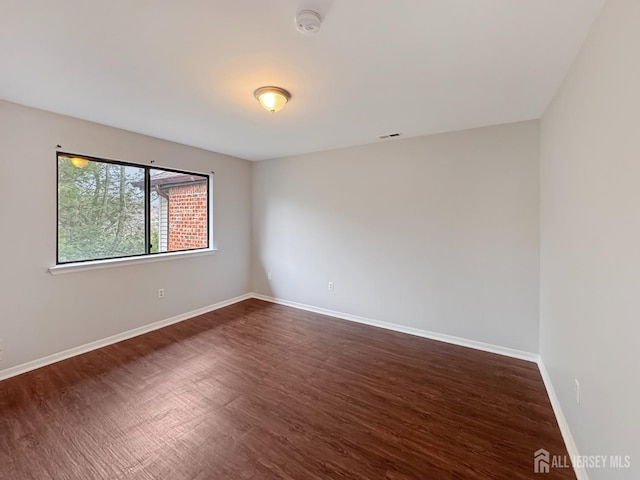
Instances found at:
x=486 y=347
x=572 y=449
x=72 y=352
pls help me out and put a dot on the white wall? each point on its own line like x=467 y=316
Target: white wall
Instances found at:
x=438 y=233
x=41 y=314
x=590 y=240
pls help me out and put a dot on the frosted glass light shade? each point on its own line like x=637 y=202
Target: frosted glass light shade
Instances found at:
x=272 y=99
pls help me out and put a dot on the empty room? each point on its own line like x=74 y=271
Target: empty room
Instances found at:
x=320 y=239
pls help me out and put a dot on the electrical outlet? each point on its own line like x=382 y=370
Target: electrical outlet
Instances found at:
x=161 y=293
x=577 y=389
x=331 y=287
x=1 y=348
x=268 y=275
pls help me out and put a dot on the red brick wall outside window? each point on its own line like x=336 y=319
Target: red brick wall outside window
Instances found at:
x=188 y=228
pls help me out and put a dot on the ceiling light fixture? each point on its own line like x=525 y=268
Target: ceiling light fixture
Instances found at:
x=272 y=99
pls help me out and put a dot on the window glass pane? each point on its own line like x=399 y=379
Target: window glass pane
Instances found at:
x=179 y=211
x=101 y=210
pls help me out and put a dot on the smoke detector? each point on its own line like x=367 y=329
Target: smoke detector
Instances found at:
x=308 y=21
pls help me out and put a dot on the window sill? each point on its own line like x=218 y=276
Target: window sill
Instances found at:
x=123 y=262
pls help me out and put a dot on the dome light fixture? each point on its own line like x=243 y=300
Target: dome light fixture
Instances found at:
x=272 y=99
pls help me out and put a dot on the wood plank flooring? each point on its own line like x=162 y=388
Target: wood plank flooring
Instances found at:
x=262 y=391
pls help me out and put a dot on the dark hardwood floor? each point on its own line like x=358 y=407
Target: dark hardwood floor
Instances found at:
x=261 y=391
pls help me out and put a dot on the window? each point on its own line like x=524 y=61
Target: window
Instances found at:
x=109 y=209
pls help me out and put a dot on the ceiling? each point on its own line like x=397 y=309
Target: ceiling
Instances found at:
x=185 y=70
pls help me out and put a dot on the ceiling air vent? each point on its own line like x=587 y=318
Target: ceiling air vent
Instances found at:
x=389 y=135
